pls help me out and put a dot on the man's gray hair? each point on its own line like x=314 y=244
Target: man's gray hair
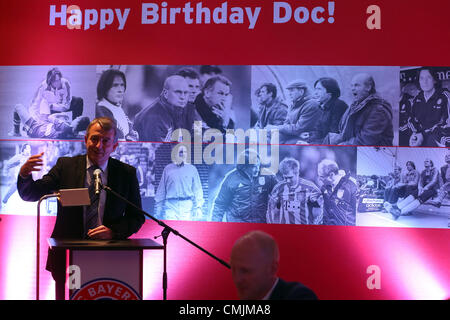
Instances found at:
x=107 y=124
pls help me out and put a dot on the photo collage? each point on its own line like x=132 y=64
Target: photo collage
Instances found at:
x=310 y=145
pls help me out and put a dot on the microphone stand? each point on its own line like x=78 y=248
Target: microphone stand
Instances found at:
x=38 y=236
x=164 y=234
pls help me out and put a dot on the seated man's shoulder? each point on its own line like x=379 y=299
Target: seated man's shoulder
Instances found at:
x=154 y=111
x=285 y=290
x=311 y=103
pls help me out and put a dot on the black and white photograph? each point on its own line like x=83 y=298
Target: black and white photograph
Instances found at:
x=331 y=105
x=403 y=187
x=153 y=101
x=180 y=185
x=424 y=106
x=13 y=155
x=325 y=192
x=141 y=156
x=310 y=185
x=111 y=92
x=239 y=192
x=315 y=105
x=46 y=102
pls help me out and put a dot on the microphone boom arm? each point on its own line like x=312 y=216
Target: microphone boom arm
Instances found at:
x=165 y=226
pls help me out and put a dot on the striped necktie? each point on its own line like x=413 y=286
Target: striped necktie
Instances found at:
x=91 y=218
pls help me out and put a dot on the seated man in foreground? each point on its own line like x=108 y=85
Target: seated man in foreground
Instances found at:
x=254 y=265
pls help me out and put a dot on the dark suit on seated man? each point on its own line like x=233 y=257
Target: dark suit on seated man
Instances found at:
x=284 y=290
x=111 y=218
x=254 y=265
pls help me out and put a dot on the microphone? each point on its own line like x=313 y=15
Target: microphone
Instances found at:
x=97 y=181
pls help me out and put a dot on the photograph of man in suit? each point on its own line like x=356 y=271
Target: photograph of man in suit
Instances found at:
x=107 y=217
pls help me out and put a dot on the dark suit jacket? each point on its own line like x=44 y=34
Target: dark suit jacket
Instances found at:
x=68 y=173
x=291 y=291
x=333 y=110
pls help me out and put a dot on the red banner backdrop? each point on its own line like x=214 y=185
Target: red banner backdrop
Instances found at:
x=411 y=33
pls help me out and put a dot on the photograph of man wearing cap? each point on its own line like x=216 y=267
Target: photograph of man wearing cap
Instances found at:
x=301 y=124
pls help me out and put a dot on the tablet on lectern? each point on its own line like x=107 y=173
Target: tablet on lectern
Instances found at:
x=74 y=197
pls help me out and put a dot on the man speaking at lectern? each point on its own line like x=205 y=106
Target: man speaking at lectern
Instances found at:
x=107 y=217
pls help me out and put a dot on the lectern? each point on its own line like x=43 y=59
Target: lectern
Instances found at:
x=105 y=269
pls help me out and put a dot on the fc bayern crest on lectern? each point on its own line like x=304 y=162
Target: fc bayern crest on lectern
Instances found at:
x=105 y=289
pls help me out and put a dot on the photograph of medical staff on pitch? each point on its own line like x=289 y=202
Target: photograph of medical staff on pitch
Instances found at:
x=403 y=187
x=312 y=185
x=46 y=102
